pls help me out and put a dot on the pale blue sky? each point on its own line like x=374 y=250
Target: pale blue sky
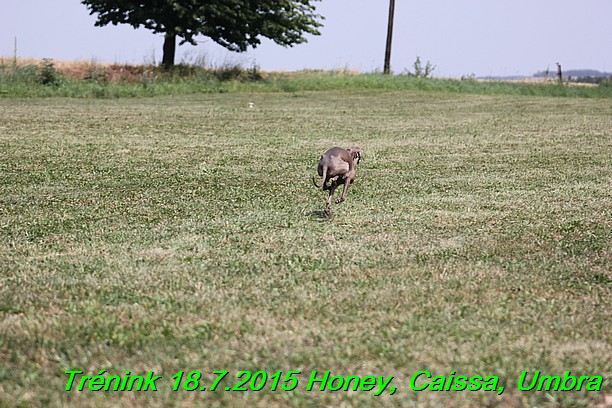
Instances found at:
x=460 y=37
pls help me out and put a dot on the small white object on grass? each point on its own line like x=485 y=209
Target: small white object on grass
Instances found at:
x=251 y=104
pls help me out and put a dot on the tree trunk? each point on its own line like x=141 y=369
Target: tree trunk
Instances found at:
x=169 y=50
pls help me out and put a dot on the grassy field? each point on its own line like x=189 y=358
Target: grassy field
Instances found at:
x=176 y=234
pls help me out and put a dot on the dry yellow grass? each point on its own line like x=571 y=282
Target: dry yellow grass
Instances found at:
x=79 y=70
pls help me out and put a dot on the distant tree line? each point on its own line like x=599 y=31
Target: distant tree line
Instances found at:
x=590 y=76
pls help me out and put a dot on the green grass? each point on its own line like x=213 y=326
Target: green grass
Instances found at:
x=91 y=81
x=184 y=233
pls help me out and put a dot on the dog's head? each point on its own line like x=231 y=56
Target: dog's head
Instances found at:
x=356 y=153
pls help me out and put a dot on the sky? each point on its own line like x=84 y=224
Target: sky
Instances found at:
x=459 y=37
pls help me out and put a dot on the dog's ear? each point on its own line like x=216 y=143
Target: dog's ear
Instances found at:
x=355 y=152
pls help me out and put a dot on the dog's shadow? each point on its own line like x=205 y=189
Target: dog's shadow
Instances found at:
x=319 y=215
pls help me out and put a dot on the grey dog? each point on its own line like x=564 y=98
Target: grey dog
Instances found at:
x=337 y=166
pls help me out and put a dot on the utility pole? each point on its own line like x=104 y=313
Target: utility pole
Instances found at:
x=387 y=69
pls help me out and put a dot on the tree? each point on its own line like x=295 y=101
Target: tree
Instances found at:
x=234 y=24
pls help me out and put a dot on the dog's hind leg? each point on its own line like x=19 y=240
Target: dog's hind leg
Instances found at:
x=332 y=188
x=348 y=179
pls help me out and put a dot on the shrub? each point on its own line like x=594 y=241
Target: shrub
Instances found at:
x=228 y=72
x=97 y=75
x=47 y=73
x=19 y=74
x=253 y=73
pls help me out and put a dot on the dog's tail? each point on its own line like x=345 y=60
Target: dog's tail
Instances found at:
x=323 y=173
x=314 y=181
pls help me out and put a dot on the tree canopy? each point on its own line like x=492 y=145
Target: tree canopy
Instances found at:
x=234 y=24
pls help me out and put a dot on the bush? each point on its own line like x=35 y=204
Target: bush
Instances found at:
x=47 y=74
x=419 y=70
x=96 y=75
x=19 y=74
x=228 y=72
x=253 y=73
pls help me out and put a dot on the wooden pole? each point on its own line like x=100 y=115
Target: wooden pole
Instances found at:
x=387 y=68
